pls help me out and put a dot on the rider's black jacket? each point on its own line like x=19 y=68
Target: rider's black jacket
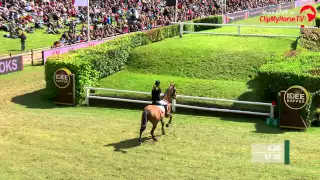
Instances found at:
x=156 y=91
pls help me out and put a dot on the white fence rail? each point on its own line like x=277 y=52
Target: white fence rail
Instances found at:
x=239 y=29
x=174 y=105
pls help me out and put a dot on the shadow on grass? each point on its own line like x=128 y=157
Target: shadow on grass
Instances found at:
x=15 y=50
x=35 y=100
x=265 y=129
x=122 y=146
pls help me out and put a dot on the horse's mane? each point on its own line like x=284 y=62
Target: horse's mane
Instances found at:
x=166 y=91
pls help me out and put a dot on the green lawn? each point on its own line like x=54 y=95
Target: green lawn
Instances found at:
x=207 y=56
x=39 y=140
x=34 y=41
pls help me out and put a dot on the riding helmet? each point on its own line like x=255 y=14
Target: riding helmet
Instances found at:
x=157 y=83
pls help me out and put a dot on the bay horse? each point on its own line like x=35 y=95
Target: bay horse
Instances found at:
x=154 y=114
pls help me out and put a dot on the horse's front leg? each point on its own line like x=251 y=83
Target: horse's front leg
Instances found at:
x=169 y=121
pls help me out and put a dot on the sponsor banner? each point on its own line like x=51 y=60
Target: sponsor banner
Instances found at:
x=296 y=97
x=300 y=3
x=80 y=2
x=62 y=78
x=290 y=5
x=65 y=83
x=236 y=16
x=62 y=50
x=11 y=64
x=257 y=12
x=274 y=8
x=292 y=101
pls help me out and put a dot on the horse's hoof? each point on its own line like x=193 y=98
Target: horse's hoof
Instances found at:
x=155 y=139
x=163 y=133
x=140 y=143
x=167 y=125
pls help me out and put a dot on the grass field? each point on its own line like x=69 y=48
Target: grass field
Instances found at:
x=39 y=140
x=207 y=56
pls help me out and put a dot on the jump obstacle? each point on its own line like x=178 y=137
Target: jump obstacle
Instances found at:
x=181 y=24
x=175 y=105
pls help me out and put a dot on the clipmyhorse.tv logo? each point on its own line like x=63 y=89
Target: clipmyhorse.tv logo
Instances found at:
x=297 y=18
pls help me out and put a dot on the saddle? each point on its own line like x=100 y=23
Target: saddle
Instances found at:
x=164 y=108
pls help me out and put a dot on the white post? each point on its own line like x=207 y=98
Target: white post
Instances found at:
x=87 y=96
x=173 y=105
x=176 y=12
x=272 y=111
x=181 y=29
x=88 y=18
x=238 y=30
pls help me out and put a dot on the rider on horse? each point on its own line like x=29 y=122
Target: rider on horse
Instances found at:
x=156 y=100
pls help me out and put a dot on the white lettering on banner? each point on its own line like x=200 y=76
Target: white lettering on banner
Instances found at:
x=7 y=66
x=62 y=78
x=14 y=64
x=294 y=97
x=2 y=67
x=279 y=11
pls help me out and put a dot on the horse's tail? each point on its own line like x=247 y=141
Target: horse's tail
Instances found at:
x=144 y=119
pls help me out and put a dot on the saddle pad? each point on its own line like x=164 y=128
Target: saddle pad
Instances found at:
x=162 y=108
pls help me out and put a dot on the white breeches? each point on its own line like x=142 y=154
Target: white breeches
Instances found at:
x=162 y=102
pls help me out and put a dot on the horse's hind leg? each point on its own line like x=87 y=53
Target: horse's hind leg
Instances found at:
x=144 y=121
x=152 y=130
x=141 y=131
x=162 y=123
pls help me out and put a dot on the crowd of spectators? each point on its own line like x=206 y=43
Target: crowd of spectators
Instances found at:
x=107 y=17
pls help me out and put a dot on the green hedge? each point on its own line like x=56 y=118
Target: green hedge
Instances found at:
x=85 y=74
x=210 y=19
x=318 y=21
x=159 y=34
x=281 y=72
x=309 y=112
x=94 y=63
x=310 y=39
x=112 y=56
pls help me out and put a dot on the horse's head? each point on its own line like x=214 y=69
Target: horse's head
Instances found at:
x=170 y=93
